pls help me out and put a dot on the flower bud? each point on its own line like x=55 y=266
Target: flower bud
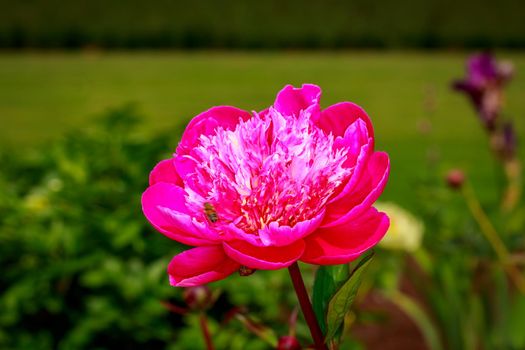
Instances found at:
x=198 y=298
x=455 y=178
x=288 y=342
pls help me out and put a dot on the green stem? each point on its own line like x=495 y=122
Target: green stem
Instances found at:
x=492 y=236
x=306 y=306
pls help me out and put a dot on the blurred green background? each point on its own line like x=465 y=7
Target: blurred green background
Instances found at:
x=94 y=94
x=407 y=94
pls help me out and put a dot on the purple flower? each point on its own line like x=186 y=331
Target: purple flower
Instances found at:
x=484 y=85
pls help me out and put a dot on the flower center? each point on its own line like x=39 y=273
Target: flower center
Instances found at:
x=269 y=169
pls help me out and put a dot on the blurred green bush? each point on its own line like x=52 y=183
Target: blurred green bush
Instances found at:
x=80 y=266
x=261 y=24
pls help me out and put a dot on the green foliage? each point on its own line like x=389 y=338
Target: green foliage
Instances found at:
x=516 y=322
x=334 y=291
x=328 y=279
x=81 y=268
x=343 y=298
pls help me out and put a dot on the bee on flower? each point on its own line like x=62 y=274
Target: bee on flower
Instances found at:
x=210 y=212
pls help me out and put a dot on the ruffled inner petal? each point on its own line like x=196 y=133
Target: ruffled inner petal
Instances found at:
x=276 y=169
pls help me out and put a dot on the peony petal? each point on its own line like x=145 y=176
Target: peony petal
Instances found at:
x=336 y=118
x=264 y=258
x=366 y=189
x=200 y=265
x=275 y=235
x=232 y=232
x=186 y=167
x=344 y=243
x=205 y=123
x=164 y=206
x=165 y=171
x=354 y=139
x=359 y=147
x=291 y=101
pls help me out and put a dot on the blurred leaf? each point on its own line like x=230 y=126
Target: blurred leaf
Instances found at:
x=516 y=322
x=328 y=279
x=418 y=315
x=83 y=268
x=502 y=309
x=340 y=303
x=260 y=330
x=475 y=324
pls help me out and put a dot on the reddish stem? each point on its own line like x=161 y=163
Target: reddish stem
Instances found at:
x=174 y=308
x=206 y=331
x=308 y=312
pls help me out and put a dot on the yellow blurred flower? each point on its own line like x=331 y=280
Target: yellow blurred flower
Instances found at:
x=406 y=230
x=37 y=201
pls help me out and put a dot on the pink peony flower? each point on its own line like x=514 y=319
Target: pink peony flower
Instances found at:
x=264 y=190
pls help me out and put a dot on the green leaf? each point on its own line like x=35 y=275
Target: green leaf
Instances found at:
x=328 y=279
x=340 y=303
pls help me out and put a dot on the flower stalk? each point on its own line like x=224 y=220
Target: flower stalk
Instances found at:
x=493 y=237
x=512 y=193
x=205 y=331
x=306 y=307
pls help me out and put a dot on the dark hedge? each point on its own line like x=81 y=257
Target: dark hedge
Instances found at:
x=262 y=24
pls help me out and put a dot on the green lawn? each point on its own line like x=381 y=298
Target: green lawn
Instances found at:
x=41 y=95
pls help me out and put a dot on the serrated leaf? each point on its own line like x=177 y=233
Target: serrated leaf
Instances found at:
x=328 y=279
x=340 y=303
